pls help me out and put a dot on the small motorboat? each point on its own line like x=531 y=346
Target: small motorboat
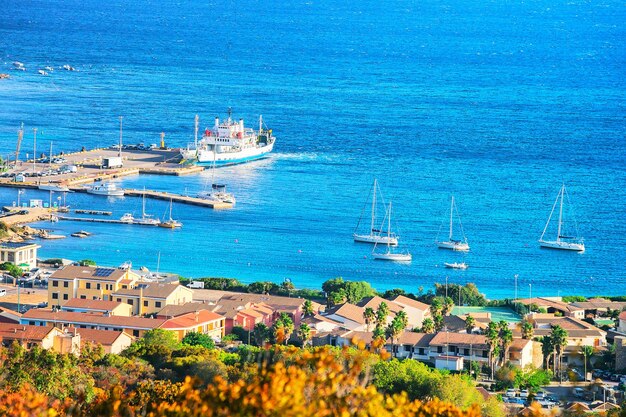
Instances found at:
x=42 y=72
x=81 y=234
x=456 y=265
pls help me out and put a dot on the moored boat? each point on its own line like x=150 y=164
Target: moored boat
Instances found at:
x=391 y=255
x=54 y=187
x=456 y=265
x=562 y=241
x=107 y=189
x=229 y=142
x=170 y=223
x=451 y=243
x=376 y=234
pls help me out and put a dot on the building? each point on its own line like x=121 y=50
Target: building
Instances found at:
x=134 y=326
x=87 y=283
x=22 y=254
x=29 y=336
x=451 y=363
x=111 y=341
x=9 y=316
x=555 y=306
x=349 y=315
x=621 y=327
x=415 y=310
x=202 y=321
x=151 y=297
x=599 y=306
x=111 y=308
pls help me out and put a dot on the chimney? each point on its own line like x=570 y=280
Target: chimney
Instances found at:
x=197 y=313
x=75 y=331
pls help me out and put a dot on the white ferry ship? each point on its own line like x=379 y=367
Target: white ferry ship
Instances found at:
x=229 y=143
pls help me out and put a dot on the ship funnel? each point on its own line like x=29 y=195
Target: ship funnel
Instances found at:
x=217 y=122
x=241 y=124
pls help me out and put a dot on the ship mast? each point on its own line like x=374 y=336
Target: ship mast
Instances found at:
x=451 y=209
x=196 y=120
x=373 y=207
x=558 y=233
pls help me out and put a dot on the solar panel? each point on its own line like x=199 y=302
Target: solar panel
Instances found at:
x=103 y=272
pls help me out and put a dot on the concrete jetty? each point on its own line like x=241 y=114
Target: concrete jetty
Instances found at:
x=178 y=198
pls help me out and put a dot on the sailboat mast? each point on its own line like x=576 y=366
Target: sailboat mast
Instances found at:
x=389 y=227
x=170 y=209
x=558 y=233
x=451 y=210
x=196 y=120
x=374 y=206
x=50 y=157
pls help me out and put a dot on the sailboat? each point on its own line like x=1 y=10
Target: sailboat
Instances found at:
x=459 y=245
x=390 y=255
x=145 y=220
x=375 y=235
x=170 y=223
x=218 y=192
x=573 y=243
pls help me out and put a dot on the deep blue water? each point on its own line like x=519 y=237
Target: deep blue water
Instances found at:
x=498 y=102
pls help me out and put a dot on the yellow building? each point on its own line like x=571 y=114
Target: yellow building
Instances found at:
x=151 y=297
x=21 y=254
x=87 y=283
x=201 y=321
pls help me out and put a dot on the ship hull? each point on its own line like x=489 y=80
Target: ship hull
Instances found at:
x=576 y=247
x=207 y=157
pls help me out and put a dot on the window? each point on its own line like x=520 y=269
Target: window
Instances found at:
x=466 y=352
x=136 y=333
x=485 y=354
x=66 y=284
x=98 y=286
x=55 y=283
x=439 y=349
x=407 y=348
x=32 y=323
x=65 y=296
x=157 y=304
x=119 y=300
x=83 y=297
x=88 y=285
x=55 y=295
x=130 y=301
x=421 y=351
x=145 y=303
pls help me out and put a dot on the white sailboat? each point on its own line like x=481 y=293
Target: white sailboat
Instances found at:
x=218 y=192
x=573 y=243
x=451 y=243
x=389 y=255
x=375 y=235
x=146 y=219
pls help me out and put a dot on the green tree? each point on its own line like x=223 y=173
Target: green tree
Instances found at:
x=13 y=270
x=492 y=334
x=198 y=339
x=527 y=330
x=391 y=294
x=336 y=297
x=156 y=346
x=282 y=328
x=87 y=262
x=393 y=331
x=261 y=334
x=506 y=339
x=381 y=314
x=447 y=306
x=436 y=307
x=428 y=325
x=287 y=286
x=262 y=287
x=369 y=316
x=439 y=322
x=559 y=341
x=379 y=332
x=403 y=318
x=547 y=349
x=307 y=308
x=587 y=352
x=304 y=334
x=358 y=290
x=470 y=322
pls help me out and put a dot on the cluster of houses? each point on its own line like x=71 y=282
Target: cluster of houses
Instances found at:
x=114 y=306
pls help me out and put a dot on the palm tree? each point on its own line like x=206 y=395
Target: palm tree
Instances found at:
x=506 y=339
x=587 y=352
x=370 y=317
x=261 y=334
x=470 y=322
x=547 y=349
x=393 y=331
x=436 y=307
x=527 y=329
x=428 y=325
x=307 y=308
x=304 y=333
x=492 y=335
x=381 y=314
x=559 y=341
x=379 y=333
x=439 y=322
x=447 y=306
x=288 y=326
x=403 y=318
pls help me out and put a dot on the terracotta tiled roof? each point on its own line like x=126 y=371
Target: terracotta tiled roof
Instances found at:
x=544 y=302
x=459 y=339
x=574 y=327
x=402 y=300
x=191 y=320
x=622 y=315
x=152 y=290
x=39 y=314
x=365 y=337
x=12 y=331
x=172 y=310
x=349 y=311
x=100 y=305
x=411 y=338
x=374 y=302
x=89 y=272
x=102 y=337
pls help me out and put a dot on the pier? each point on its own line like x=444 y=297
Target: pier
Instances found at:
x=178 y=198
x=101 y=220
x=94 y=212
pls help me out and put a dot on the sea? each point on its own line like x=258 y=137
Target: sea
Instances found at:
x=496 y=102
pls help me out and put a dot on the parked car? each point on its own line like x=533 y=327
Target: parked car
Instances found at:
x=510 y=393
x=540 y=395
x=523 y=393
x=579 y=392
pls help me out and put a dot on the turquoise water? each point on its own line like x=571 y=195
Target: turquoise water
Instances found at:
x=497 y=102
